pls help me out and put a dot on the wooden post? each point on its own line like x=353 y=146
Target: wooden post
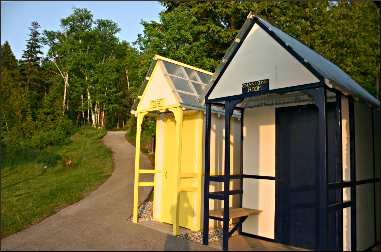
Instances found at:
x=178 y=113
x=319 y=96
x=137 y=165
x=208 y=118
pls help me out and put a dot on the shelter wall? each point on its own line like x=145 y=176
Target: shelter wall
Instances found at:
x=377 y=142
x=365 y=215
x=166 y=163
x=217 y=157
x=365 y=208
x=192 y=162
x=259 y=159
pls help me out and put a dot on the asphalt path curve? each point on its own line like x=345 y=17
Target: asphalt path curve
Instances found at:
x=100 y=220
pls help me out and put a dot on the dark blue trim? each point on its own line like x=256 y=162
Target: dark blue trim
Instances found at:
x=336 y=185
x=272 y=91
x=259 y=177
x=216 y=218
x=319 y=95
x=237 y=226
x=258 y=237
x=225 y=225
x=229 y=108
x=374 y=177
x=339 y=206
x=367 y=181
x=220 y=178
x=208 y=118
x=339 y=171
x=241 y=165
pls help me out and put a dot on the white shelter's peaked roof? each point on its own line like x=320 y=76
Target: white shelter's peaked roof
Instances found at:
x=323 y=69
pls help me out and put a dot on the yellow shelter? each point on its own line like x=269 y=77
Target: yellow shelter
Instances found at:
x=174 y=93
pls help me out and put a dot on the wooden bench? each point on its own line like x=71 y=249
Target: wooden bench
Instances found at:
x=235 y=212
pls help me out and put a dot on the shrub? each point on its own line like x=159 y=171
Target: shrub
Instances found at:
x=48 y=159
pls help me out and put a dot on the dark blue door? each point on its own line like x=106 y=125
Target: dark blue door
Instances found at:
x=297 y=185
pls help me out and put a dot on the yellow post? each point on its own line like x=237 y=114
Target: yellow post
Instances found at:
x=178 y=113
x=137 y=165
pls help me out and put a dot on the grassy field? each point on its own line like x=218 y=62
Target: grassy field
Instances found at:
x=146 y=142
x=36 y=187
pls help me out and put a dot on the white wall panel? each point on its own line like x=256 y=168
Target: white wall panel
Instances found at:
x=159 y=155
x=259 y=195
x=363 y=140
x=347 y=229
x=345 y=139
x=259 y=159
x=378 y=211
x=365 y=216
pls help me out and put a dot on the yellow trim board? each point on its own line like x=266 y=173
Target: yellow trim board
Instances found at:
x=158 y=57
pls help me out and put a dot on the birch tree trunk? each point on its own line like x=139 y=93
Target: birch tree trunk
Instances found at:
x=88 y=104
x=83 y=112
x=66 y=84
x=65 y=77
x=93 y=117
x=128 y=82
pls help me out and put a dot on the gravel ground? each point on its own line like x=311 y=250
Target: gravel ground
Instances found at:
x=214 y=235
x=145 y=214
x=144 y=211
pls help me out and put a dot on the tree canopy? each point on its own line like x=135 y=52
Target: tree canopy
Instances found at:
x=90 y=77
x=199 y=32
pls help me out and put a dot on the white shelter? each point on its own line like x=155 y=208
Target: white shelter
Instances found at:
x=309 y=146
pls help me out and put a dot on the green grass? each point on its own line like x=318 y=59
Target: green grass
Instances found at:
x=34 y=188
x=145 y=140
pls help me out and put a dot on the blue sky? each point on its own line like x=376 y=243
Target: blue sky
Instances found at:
x=16 y=17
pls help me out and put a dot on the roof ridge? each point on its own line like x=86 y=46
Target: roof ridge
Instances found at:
x=159 y=57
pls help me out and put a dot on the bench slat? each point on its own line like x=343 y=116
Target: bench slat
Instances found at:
x=235 y=212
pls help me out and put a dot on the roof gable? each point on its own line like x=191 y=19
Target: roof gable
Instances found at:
x=158 y=91
x=261 y=57
x=173 y=83
x=322 y=68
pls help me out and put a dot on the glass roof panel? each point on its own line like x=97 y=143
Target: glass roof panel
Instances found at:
x=205 y=78
x=190 y=100
x=174 y=69
x=200 y=88
x=181 y=84
x=192 y=74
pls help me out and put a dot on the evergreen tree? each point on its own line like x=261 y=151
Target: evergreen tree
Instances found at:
x=32 y=53
x=12 y=96
x=33 y=83
x=8 y=60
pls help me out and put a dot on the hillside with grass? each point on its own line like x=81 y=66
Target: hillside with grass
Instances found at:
x=40 y=183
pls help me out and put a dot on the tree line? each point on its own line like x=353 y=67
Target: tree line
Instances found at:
x=90 y=77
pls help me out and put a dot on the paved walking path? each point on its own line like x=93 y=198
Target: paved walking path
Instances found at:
x=99 y=221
